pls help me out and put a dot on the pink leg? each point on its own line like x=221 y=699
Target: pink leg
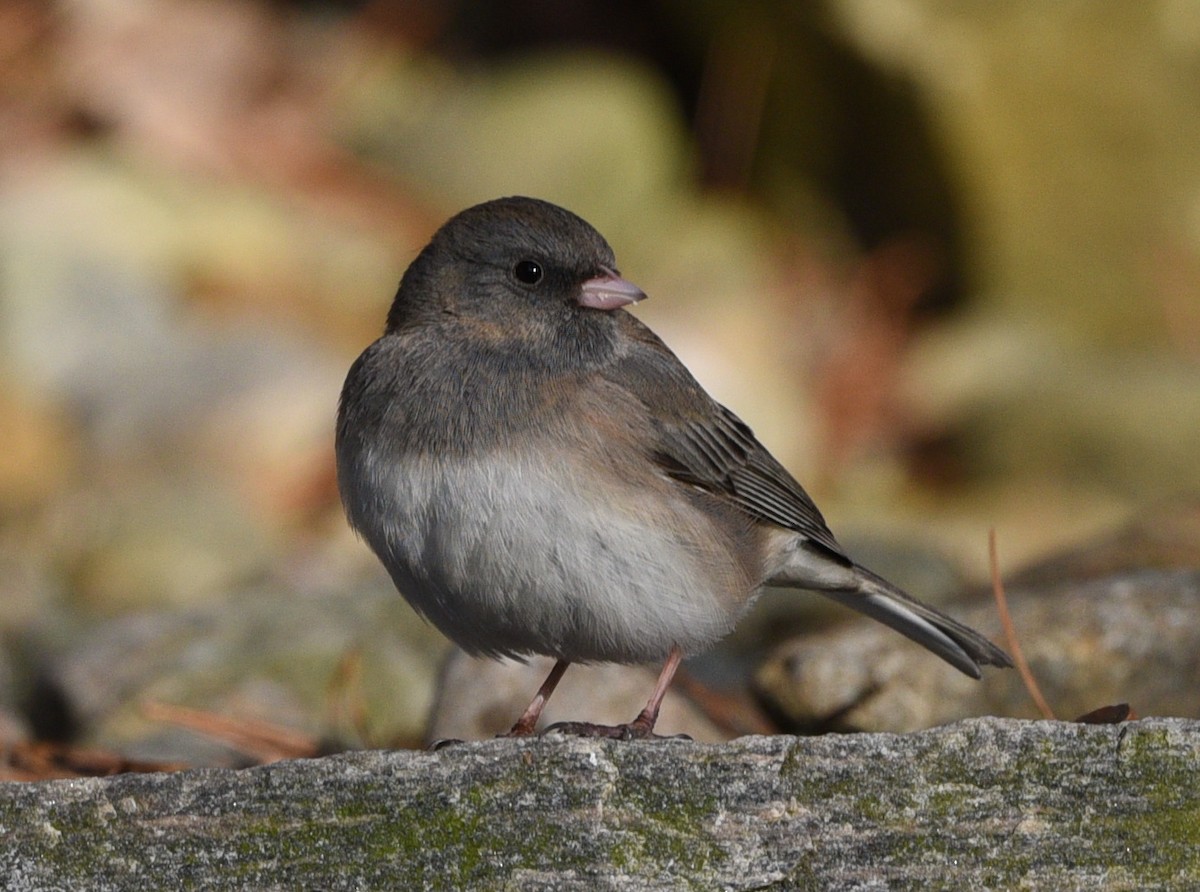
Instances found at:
x=529 y=718
x=643 y=725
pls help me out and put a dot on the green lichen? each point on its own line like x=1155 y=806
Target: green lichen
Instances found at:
x=1117 y=807
x=1163 y=837
x=665 y=820
x=468 y=839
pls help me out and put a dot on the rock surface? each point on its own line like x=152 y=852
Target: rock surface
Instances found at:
x=984 y=804
x=1129 y=638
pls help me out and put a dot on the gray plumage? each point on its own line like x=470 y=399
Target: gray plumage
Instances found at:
x=540 y=476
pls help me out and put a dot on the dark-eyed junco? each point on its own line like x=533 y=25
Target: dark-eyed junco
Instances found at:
x=541 y=475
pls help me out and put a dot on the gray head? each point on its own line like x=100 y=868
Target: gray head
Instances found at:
x=512 y=259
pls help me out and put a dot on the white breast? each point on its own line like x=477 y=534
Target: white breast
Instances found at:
x=512 y=554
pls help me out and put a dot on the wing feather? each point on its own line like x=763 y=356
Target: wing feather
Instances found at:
x=701 y=443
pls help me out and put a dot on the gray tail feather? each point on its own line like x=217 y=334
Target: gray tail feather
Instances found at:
x=960 y=646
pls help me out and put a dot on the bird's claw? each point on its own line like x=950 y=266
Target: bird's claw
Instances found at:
x=630 y=731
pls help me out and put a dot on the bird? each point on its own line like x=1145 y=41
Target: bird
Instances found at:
x=541 y=475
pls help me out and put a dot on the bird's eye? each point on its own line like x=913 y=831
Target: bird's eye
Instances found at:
x=528 y=271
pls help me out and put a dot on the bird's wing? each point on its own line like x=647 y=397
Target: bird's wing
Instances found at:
x=701 y=443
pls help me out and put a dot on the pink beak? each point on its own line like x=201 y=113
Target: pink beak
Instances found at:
x=609 y=292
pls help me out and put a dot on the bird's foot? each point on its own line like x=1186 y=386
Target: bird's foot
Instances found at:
x=634 y=730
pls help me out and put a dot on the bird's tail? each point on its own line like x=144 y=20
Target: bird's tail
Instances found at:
x=957 y=644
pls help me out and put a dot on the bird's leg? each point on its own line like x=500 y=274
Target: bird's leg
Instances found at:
x=641 y=727
x=529 y=718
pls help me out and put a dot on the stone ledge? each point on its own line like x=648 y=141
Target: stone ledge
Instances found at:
x=982 y=804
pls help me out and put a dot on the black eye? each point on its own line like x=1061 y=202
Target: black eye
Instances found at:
x=528 y=271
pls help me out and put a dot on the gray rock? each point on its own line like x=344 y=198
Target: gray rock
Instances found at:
x=270 y=652
x=1131 y=637
x=987 y=804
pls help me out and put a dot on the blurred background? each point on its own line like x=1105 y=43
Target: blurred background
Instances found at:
x=944 y=258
